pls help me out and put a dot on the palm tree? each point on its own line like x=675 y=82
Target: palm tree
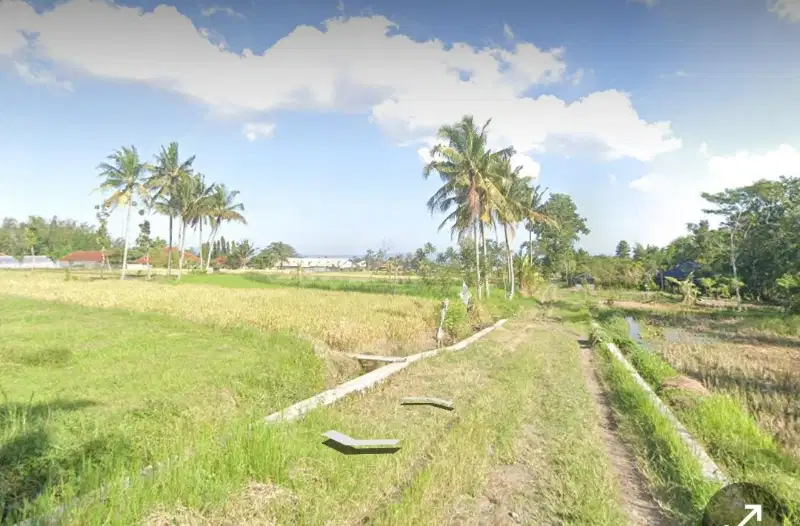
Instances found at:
x=222 y=208
x=512 y=210
x=201 y=208
x=191 y=198
x=533 y=215
x=463 y=161
x=168 y=174
x=125 y=178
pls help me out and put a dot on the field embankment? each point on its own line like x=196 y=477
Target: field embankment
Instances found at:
x=717 y=372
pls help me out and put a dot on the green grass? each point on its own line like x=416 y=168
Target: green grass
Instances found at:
x=672 y=471
x=88 y=394
x=520 y=400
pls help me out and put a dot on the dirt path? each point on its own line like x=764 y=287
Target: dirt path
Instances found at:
x=638 y=502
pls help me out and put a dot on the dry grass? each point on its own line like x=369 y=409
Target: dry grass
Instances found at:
x=753 y=355
x=766 y=378
x=343 y=321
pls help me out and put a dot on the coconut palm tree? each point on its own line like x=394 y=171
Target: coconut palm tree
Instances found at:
x=125 y=177
x=222 y=208
x=191 y=198
x=201 y=208
x=534 y=214
x=512 y=210
x=462 y=160
x=168 y=174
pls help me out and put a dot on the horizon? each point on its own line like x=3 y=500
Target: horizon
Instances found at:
x=634 y=109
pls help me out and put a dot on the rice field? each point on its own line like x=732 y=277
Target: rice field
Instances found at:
x=342 y=321
x=753 y=355
x=103 y=378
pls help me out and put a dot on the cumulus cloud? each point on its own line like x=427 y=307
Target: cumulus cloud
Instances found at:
x=648 y=183
x=729 y=171
x=258 y=130
x=45 y=78
x=786 y=9
x=362 y=64
x=213 y=10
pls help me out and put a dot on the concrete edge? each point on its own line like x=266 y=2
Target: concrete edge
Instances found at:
x=365 y=381
x=708 y=467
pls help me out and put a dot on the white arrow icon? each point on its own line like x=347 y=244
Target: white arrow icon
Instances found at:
x=755 y=513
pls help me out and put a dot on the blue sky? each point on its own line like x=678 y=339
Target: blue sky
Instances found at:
x=320 y=113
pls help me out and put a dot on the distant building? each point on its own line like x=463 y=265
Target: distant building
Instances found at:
x=83 y=258
x=322 y=263
x=8 y=262
x=37 y=262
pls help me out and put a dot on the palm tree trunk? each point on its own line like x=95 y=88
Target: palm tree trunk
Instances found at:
x=125 y=250
x=169 y=250
x=181 y=242
x=477 y=261
x=486 y=273
x=211 y=244
x=200 y=232
x=511 y=276
x=530 y=247
x=505 y=281
x=149 y=263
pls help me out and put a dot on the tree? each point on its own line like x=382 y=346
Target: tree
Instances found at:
x=534 y=214
x=735 y=207
x=125 y=179
x=223 y=208
x=143 y=242
x=623 y=250
x=241 y=253
x=468 y=195
x=194 y=199
x=557 y=239
x=281 y=252
x=169 y=173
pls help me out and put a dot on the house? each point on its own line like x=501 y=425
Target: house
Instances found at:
x=83 y=258
x=680 y=272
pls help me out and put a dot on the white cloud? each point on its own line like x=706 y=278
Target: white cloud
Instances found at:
x=612 y=178
x=215 y=9
x=577 y=77
x=44 y=78
x=731 y=171
x=508 y=32
x=340 y=6
x=786 y=9
x=409 y=88
x=258 y=130
x=679 y=73
x=648 y=183
x=648 y=3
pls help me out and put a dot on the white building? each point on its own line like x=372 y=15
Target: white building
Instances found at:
x=321 y=263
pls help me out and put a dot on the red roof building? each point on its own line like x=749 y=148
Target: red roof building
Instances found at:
x=84 y=256
x=187 y=256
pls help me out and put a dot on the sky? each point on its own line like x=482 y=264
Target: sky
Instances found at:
x=322 y=113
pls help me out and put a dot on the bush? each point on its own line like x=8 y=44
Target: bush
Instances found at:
x=457 y=320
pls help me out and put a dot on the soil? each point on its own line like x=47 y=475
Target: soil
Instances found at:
x=638 y=502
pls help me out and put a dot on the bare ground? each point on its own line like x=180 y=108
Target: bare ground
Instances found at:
x=639 y=504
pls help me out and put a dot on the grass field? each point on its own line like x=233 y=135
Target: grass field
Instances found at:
x=522 y=440
x=103 y=378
